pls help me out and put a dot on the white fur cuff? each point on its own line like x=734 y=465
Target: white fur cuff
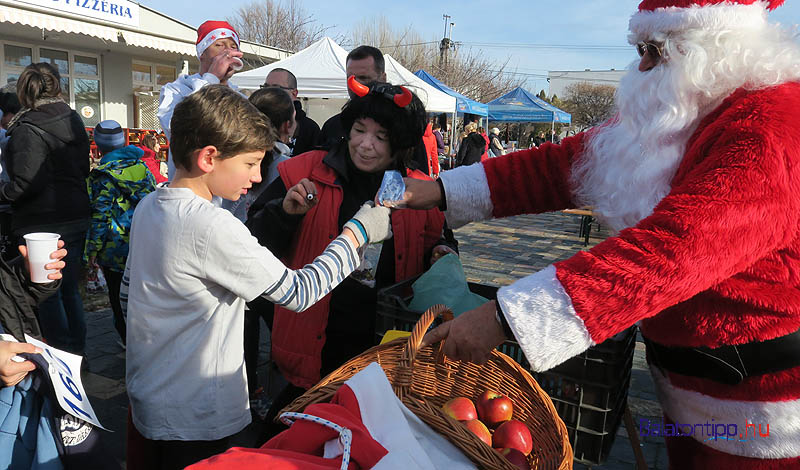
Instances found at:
x=543 y=320
x=467 y=194
x=719 y=17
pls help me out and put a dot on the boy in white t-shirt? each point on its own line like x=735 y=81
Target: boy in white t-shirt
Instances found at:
x=191 y=268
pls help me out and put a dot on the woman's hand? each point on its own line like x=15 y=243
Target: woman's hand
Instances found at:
x=57 y=255
x=11 y=371
x=297 y=201
x=439 y=251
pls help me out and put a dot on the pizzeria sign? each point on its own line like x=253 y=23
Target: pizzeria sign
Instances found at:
x=115 y=11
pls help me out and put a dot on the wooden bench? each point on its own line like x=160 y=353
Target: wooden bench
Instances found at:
x=587 y=217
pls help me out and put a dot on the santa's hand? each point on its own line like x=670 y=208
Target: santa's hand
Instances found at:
x=12 y=371
x=471 y=336
x=222 y=64
x=421 y=194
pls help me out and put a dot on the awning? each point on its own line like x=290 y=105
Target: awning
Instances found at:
x=106 y=33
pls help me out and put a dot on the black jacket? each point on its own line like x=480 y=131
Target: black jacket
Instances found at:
x=305 y=137
x=18 y=299
x=47 y=158
x=471 y=149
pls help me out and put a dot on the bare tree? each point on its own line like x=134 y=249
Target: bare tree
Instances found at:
x=277 y=24
x=589 y=104
x=467 y=71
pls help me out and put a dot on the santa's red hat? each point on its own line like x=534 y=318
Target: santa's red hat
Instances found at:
x=666 y=16
x=211 y=31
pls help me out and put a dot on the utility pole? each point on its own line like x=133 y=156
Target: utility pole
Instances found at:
x=444 y=45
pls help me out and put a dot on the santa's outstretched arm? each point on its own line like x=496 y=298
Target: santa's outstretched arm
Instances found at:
x=526 y=182
x=735 y=207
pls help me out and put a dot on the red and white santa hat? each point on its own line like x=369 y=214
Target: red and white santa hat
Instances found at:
x=665 y=16
x=211 y=31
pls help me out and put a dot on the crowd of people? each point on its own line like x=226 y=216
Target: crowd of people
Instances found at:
x=263 y=215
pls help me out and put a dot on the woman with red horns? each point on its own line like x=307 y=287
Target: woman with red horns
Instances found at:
x=383 y=123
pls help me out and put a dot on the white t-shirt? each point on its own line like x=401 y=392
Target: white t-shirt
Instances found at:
x=190 y=269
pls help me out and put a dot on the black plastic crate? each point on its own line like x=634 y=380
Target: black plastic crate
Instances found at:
x=589 y=391
x=592 y=447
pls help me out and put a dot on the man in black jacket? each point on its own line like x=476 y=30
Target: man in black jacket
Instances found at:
x=307 y=131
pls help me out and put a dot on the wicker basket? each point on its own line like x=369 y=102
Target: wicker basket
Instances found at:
x=424 y=380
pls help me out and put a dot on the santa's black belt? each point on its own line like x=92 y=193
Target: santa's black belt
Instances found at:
x=728 y=364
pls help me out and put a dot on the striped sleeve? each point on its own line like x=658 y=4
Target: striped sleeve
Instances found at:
x=299 y=289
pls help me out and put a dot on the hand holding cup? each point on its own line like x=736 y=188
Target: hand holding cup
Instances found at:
x=44 y=254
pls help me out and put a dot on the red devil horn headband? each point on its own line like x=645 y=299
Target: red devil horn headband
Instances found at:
x=357 y=87
x=401 y=99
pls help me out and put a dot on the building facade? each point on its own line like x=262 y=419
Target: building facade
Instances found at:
x=560 y=80
x=113 y=56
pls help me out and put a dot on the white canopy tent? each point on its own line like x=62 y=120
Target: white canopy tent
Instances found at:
x=435 y=101
x=319 y=69
x=320 y=72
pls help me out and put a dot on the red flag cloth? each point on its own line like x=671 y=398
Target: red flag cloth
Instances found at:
x=303 y=444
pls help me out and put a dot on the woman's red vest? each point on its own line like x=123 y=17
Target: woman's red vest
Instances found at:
x=298 y=338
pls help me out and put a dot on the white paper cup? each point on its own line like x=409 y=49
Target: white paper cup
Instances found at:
x=237 y=64
x=40 y=246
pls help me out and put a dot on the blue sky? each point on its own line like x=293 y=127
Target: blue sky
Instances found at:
x=522 y=27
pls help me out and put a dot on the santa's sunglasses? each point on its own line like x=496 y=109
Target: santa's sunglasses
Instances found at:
x=653 y=50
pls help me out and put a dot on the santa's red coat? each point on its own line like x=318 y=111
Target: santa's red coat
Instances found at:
x=716 y=263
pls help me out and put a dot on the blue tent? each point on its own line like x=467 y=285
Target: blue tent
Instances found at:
x=520 y=106
x=463 y=104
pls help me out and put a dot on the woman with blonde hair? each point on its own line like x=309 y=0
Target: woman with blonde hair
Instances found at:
x=151 y=148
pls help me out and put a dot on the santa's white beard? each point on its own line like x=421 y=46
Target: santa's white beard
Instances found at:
x=628 y=164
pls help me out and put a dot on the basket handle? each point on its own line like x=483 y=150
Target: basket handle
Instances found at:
x=425 y=321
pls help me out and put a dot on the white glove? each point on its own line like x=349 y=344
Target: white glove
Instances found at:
x=371 y=224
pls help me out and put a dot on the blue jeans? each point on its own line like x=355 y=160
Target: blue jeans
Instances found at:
x=61 y=316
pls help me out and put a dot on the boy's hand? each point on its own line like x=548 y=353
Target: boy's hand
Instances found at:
x=371 y=224
x=297 y=200
x=11 y=371
x=222 y=64
x=57 y=255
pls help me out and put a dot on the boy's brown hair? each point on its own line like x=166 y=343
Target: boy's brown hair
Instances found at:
x=218 y=116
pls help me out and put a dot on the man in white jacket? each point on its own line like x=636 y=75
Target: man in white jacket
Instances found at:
x=220 y=58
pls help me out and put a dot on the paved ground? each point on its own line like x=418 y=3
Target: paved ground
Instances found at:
x=494 y=253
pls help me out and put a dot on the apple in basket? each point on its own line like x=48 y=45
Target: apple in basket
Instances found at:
x=480 y=430
x=516 y=458
x=513 y=434
x=494 y=408
x=461 y=409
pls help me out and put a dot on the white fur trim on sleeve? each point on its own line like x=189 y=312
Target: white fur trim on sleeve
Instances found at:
x=467 y=194
x=543 y=320
x=723 y=16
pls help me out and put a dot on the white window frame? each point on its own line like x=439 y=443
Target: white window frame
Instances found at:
x=72 y=75
x=153 y=84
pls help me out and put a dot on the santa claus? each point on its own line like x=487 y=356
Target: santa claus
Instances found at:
x=699 y=173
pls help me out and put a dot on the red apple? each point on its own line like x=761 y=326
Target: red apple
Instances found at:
x=494 y=408
x=515 y=435
x=480 y=430
x=460 y=408
x=516 y=458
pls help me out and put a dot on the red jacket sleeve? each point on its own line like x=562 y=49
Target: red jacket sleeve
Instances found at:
x=534 y=180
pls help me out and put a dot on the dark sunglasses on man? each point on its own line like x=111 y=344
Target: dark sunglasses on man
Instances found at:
x=655 y=51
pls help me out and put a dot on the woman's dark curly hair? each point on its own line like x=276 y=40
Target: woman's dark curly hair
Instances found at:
x=405 y=126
